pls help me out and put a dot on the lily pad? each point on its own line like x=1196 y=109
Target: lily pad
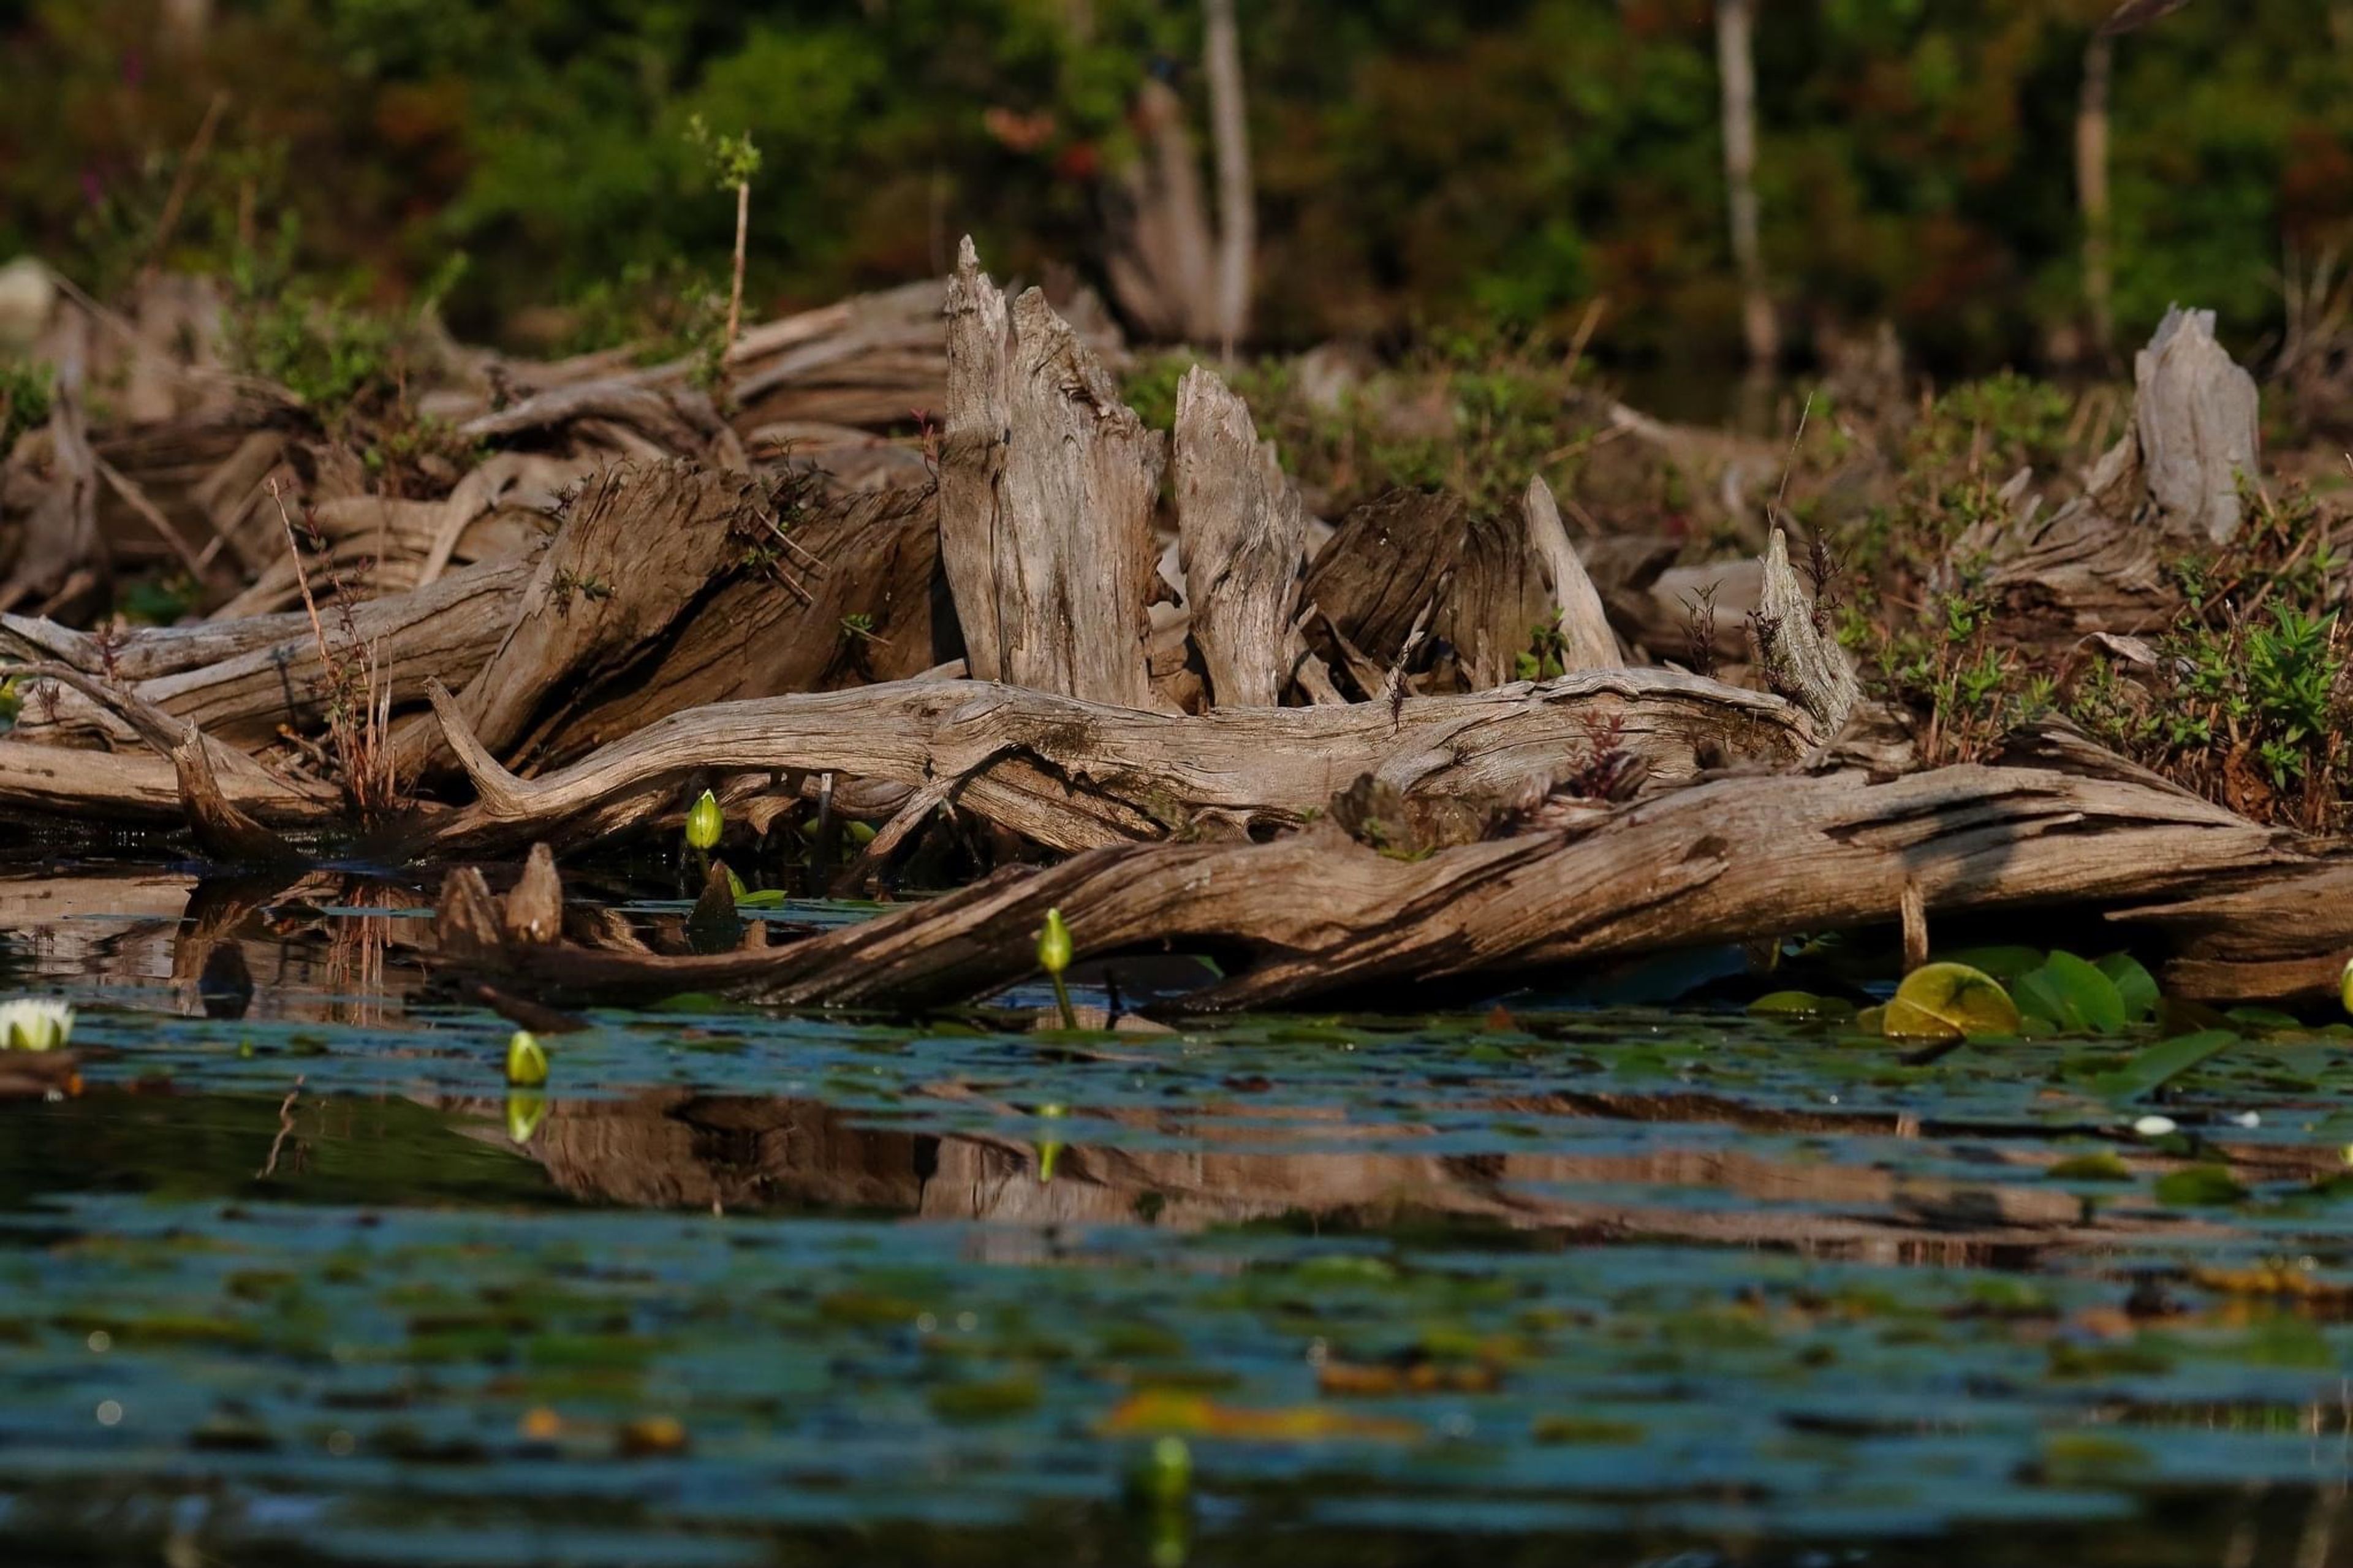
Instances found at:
x=1800 y=1004
x=2134 y=984
x=2004 y=963
x=1948 y=1002
x=2072 y=996
x=2198 y=1186
x=2161 y=1063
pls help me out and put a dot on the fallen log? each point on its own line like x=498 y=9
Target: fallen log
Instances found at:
x=138 y=787
x=1315 y=915
x=1072 y=775
x=266 y=671
x=2282 y=941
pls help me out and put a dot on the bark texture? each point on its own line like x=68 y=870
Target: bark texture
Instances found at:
x=1046 y=490
x=1074 y=775
x=1732 y=860
x=1800 y=659
x=640 y=547
x=1241 y=533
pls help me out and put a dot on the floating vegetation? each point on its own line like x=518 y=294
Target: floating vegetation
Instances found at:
x=1562 y=1268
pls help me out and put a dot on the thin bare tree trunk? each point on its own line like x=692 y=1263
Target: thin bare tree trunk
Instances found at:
x=188 y=22
x=1237 y=213
x=1735 y=63
x=2091 y=191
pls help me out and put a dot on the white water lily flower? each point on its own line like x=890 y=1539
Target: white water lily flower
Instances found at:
x=2154 y=1126
x=35 y=1024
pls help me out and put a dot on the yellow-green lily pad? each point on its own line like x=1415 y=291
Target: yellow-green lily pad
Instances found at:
x=1948 y=1002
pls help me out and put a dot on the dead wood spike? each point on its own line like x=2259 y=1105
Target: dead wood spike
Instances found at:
x=225 y=835
x=1587 y=641
x=534 y=909
x=2134 y=14
x=62 y=538
x=1047 y=483
x=1801 y=660
x=1242 y=532
x=2196 y=418
x=1916 y=925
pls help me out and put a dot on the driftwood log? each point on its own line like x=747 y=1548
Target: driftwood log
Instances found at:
x=239 y=680
x=1071 y=775
x=1315 y=915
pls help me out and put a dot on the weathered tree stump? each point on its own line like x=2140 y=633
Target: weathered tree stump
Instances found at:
x=2093 y=565
x=1048 y=484
x=1242 y=535
x=1800 y=658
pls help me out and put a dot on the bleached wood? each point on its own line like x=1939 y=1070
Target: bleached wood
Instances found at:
x=1072 y=775
x=1801 y=660
x=1730 y=861
x=1241 y=533
x=1048 y=486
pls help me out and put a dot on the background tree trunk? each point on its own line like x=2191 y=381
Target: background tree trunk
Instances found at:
x=1735 y=64
x=2091 y=191
x=1237 y=213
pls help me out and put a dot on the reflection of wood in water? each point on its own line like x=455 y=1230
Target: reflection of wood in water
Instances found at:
x=355 y=952
x=679 y=1149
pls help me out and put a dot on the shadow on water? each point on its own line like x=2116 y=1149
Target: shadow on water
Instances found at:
x=295 y=1277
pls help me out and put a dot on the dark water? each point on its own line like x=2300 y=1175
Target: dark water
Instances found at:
x=1547 y=1286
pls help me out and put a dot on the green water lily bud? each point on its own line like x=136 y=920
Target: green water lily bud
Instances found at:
x=1054 y=944
x=1048 y=1151
x=525 y=1110
x=2344 y=986
x=703 y=822
x=1168 y=1475
x=526 y=1061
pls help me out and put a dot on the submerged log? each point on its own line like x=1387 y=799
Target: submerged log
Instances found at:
x=1727 y=861
x=1072 y=775
x=1047 y=483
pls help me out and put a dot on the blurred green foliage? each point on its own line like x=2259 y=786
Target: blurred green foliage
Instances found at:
x=1420 y=166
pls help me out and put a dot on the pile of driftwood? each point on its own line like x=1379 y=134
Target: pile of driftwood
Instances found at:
x=1304 y=750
